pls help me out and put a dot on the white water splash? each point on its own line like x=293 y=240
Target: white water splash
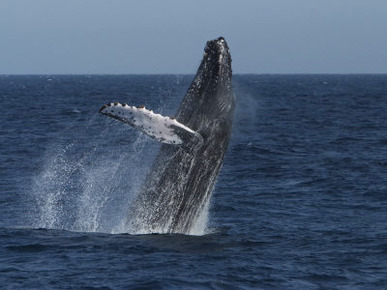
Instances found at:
x=88 y=184
x=85 y=186
x=200 y=227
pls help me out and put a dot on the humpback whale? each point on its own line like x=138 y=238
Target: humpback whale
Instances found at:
x=179 y=184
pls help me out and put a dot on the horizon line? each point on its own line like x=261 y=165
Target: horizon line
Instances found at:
x=187 y=74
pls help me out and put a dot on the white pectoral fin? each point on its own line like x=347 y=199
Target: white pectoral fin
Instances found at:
x=161 y=128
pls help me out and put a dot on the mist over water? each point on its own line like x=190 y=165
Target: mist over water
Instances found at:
x=84 y=187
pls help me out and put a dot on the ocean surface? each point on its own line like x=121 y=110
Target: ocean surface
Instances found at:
x=300 y=203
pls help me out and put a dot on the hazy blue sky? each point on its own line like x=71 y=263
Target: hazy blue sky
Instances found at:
x=168 y=36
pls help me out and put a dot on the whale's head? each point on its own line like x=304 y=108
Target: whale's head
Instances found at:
x=215 y=69
x=210 y=94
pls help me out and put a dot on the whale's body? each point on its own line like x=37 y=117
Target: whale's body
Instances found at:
x=180 y=182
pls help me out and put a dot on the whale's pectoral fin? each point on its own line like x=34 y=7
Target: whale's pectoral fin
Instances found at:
x=164 y=129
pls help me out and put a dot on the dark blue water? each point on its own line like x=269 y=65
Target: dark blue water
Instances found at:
x=301 y=201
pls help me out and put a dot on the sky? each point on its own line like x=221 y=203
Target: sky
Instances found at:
x=168 y=36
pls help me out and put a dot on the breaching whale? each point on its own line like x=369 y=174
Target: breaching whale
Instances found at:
x=180 y=181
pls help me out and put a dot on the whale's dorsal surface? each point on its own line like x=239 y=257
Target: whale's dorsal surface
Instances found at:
x=180 y=182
